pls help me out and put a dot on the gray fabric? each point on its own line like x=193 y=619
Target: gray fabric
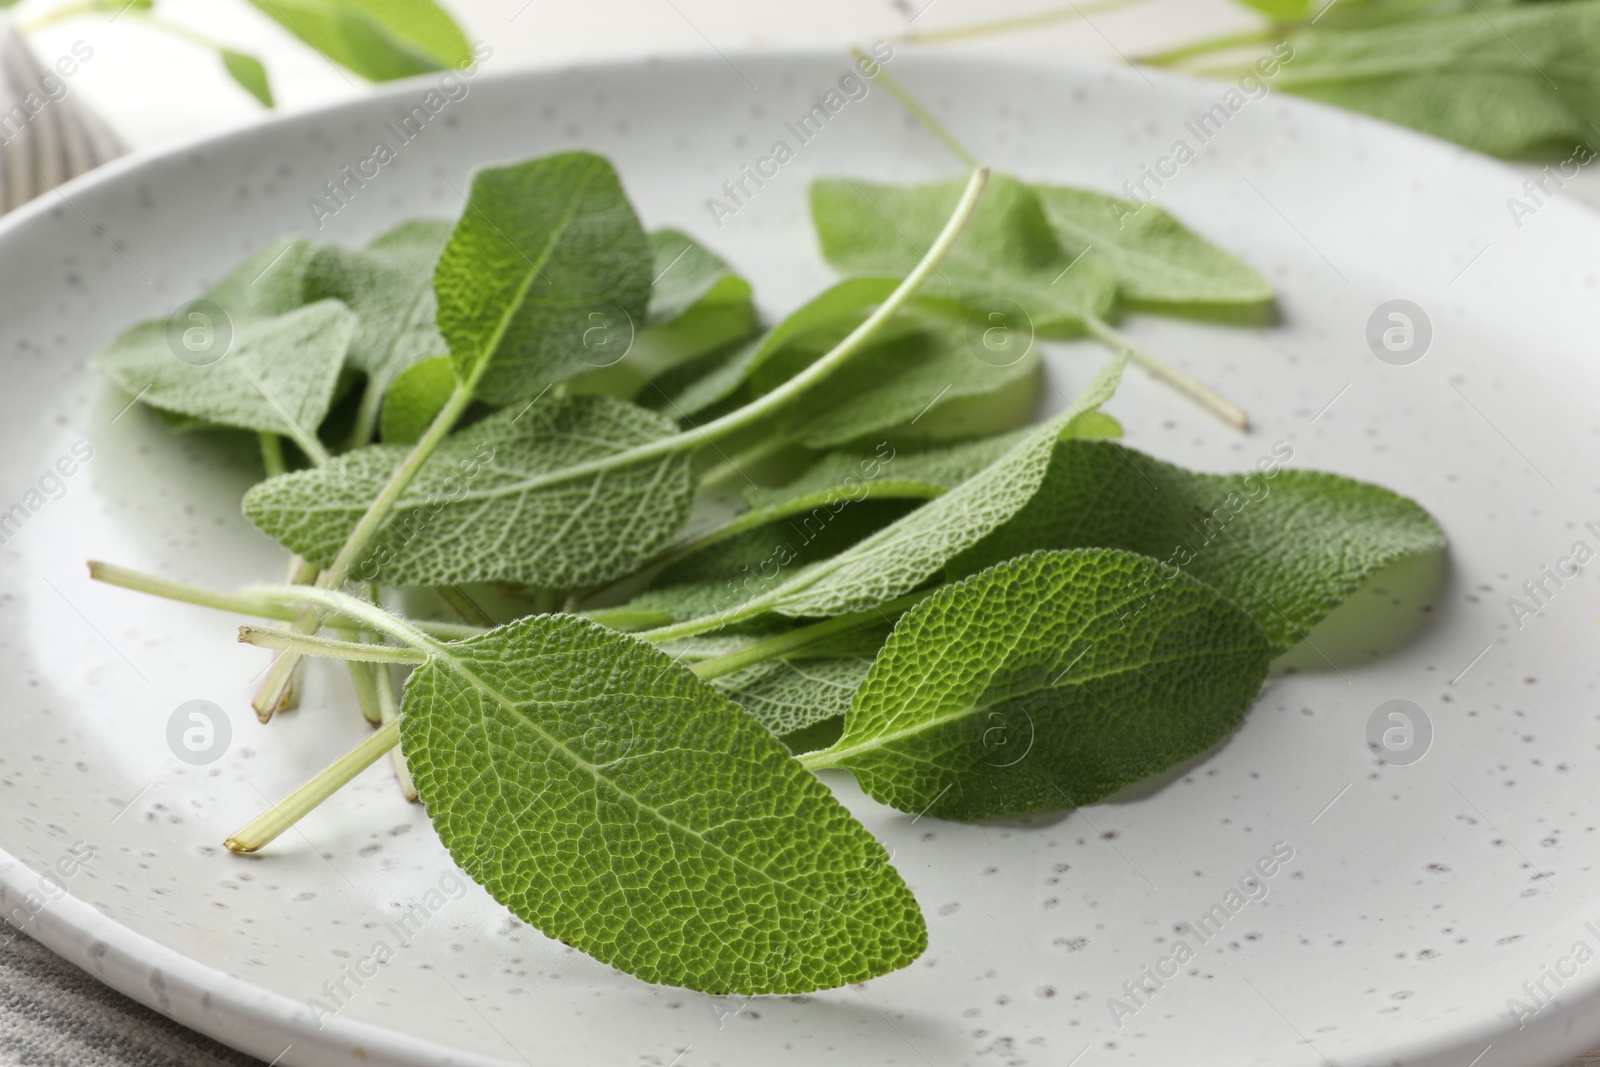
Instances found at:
x=54 y=1015
x=46 y=134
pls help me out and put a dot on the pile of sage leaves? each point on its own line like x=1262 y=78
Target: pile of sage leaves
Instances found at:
x=534 y=415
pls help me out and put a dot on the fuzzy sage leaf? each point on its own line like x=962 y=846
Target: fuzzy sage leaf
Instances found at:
x=614 y=801
x=545 y=252
x=477 y=510
x=1287 y=546
x=1048 y=681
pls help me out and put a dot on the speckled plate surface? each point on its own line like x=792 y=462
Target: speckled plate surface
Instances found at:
x=1408 y=903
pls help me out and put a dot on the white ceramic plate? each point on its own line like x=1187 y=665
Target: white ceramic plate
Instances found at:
x=1418 y=899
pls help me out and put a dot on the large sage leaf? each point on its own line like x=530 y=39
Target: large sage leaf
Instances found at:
x=1040 y=683
x=1287 y=546
x=1157 y=262
x=698 y=307
x=478 y=510
x=922 y=378
x=389 y=285
x=378 y=39
x=269 y=374
x=547 y=272
x=1504 y=79
x=1008 y=252
x=172 y=364
x=790 y=694
x=614 y=801
x=907 y=553
x=732 y=571
x=693 y=387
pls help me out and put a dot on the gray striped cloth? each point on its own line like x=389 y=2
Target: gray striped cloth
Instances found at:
x=46 y=134
x=54 y=1015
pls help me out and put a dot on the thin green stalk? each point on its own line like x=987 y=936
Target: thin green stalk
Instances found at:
x=267 y=826
x=389 y=707
x=332 y=648
x=1214 y=402
x=920 y=113
x=247 y=602
x=366 y=424
x=462 y=605
x=378 y=511
x=695 y=627
x=269 y=697
x=362 y=680
x=1213 y=44
x=628 y=620
x=300 y=572
x=1018 y=22
x=786 y=643
x=272 y=454
x=291 y=809
x=263 y=829
x=362 y=612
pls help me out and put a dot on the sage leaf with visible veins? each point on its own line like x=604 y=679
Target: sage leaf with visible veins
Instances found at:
x=476 y=511
x=545 y=253
x=275 y=374
x=189 y=392
x=788 y=695
x=923 y=378
x=698 y=306
x=1048 y=681
x=794 y=690
x=1507 y=80
x=389 y=285
x=743 y=566
x=890 y=473
x=1157 y=262
x=693 y=387
x=613 y=800
x=902 y=556
x=1287 y=546
x=269 y=282
x=1008 y=253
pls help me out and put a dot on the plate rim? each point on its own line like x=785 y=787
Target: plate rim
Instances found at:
x=243 y=1015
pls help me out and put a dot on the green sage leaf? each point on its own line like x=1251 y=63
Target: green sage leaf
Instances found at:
x=477 y=512
x=1008 y=253
x=1287 y=546
x=378 y=39
x=1157 y=262
x=547 y=266
x=271 y=375
x=389 y=285
x=614 y=801
x=1048 y=681
x=249 y=74
x=902 y=556
x=1507 y=80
